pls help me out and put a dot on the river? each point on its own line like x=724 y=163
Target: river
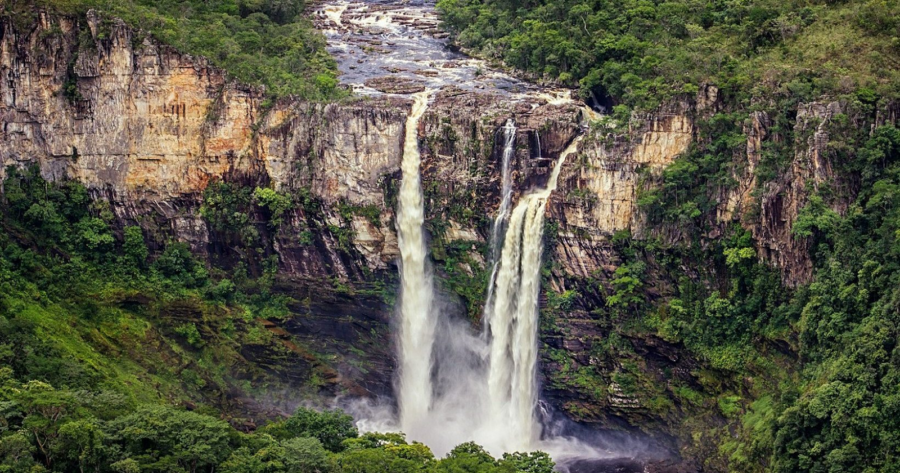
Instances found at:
x=396 y=48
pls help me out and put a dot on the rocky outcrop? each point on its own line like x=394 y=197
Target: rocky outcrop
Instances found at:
x=120 y=113
x=148 y=129
x=597 y=195
x=769 y=209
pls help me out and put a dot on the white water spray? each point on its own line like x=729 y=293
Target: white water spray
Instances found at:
x=513 y=319
x=417 y=317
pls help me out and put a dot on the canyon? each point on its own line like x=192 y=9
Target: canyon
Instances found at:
x=151 y=128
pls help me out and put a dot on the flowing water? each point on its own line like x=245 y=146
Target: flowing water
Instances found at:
x=401 y=41
x=513 y=317
x=500 y=220
x=417 y=321
x=456 y=384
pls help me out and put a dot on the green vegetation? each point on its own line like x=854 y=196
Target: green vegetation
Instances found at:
x=837 y=410
x=370 y=212
x=100 y=338
x=48 y=429
x=641 y=52
x=463 y=272
x=259 y=42
x=77 y=295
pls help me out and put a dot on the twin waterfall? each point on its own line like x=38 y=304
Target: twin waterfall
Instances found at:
x=453 y=386
x=512 y=315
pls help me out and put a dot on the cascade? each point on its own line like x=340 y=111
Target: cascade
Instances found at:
x=417 y=317
x=444 y=398
x=509 y=141
x=513 y=317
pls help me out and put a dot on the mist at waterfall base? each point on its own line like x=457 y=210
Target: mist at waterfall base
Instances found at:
x=457 y=383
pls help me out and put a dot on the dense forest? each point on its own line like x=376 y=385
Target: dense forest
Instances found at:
x=640 y=53
x=835 y=408
x=268 y=43
x=121 y=350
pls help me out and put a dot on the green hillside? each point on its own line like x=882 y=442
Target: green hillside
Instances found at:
x=642 y=52
x=268 y=43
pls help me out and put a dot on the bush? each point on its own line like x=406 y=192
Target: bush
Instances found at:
x=331 y=427
x=134 y=247
x=268 y=43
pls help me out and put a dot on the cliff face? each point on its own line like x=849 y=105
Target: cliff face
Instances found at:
x=120 y=113
x=148 y=129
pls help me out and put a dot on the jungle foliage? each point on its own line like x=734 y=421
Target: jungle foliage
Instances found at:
x=639 y=52
x=259 y=42
x=62 y=430
x=837 y=407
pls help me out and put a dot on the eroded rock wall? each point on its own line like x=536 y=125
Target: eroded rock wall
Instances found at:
x=149 y=129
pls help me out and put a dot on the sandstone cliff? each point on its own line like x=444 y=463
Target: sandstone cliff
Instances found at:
x=148 y=129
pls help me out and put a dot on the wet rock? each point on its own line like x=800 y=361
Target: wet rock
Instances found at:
x=155 y=127
x=395 y=85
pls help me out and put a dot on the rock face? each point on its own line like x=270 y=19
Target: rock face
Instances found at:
x=122 y=114
x=149 y=129
x=597 y=191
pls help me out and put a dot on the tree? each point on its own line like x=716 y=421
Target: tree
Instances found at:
x=80 y=445
x=305 y=455
x=532 y=462
x=45 y=409
x=134 y=247
x=17 y=453
x=157 y=436
x=470 y=457
x=375 y=460
x=331 y=427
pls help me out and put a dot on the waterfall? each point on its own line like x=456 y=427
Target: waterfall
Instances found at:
x=509 y=148
x=417 y=318
x=513 y=318
x=454 y=386
x=509 y=141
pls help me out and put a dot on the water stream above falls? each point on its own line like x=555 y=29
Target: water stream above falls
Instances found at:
x=396 y=46
x=456 y=382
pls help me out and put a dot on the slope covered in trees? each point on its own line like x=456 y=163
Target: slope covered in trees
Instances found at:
x=266 y=43
x=835 y=406
x=806 y=378
x=642 y=52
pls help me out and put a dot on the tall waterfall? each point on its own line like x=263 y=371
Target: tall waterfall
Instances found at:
x=417 y=317
x=453 y=385
x=512 y=318
x=497 y=228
